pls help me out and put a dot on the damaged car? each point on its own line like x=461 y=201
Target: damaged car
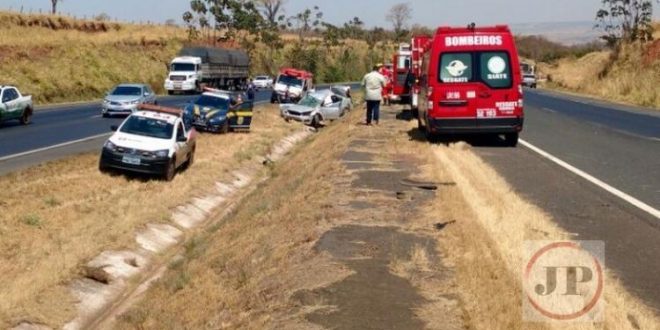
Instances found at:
x=316 y=108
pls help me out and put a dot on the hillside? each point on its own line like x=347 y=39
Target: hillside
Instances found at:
x=631 y=75
x=58 y=59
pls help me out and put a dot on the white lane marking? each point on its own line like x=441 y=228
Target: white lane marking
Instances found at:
x=97 y=116
x=70 y=142
x=53 y=146
x=549 y=110
x=616 y=192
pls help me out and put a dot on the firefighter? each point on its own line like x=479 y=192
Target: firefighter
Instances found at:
x=387 y=90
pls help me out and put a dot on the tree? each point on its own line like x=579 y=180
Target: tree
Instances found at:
x=306 y=20
x=399 y=15
x=102 y=17
x=625 y=21
x=271 y=10
x=54 y=5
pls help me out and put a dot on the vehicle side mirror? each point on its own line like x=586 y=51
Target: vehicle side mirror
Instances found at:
x=114 y=128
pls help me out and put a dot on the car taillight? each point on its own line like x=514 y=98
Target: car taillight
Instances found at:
x=429 y=96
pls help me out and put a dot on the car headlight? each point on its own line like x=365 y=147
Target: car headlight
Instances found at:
x=110 y=146
x=135 y=102
x=106 y=101
x=217 y=119
x=162 y=153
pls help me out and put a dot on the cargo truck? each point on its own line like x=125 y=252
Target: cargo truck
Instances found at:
x=198 y=67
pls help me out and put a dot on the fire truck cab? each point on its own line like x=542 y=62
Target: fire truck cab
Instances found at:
x=470 y=83
x=292 y=85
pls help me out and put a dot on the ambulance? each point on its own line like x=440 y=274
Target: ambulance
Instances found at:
x=470 y=83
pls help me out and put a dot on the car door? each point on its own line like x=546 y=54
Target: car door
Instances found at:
x=331 y=107
x=240 y=115
x=10 y=100
x=151 y=98
x=182 y=147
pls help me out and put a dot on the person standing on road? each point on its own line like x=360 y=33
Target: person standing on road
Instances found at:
x=373 y=83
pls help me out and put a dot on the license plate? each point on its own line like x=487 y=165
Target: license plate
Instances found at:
x=131 y=160
x=486 y=113
x=177 y=86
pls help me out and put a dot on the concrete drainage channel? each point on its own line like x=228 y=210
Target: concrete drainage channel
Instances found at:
x=105 y=292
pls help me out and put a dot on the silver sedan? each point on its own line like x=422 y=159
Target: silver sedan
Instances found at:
x=125 y=98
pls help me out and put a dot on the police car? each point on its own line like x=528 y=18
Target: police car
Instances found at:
x=153 y=140
x=219 y=111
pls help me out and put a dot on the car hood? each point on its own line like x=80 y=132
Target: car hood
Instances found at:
x=140 y=142
x=297 y=108
x=123 y=98
x=205 y=112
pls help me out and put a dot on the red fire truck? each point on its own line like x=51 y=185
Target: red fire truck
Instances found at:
x=401 y=79
x=420 y=45
x=291 y=85
x=470 y=82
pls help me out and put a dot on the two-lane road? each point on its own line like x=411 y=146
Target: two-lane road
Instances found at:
x=63 y=130
x=600 y=145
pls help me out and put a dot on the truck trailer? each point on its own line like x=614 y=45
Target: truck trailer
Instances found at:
x=197 y=67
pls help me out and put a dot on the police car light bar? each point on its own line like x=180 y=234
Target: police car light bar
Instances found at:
x=156 y=108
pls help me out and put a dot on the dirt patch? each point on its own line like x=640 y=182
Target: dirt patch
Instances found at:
x=373 y=297
x=357 y=156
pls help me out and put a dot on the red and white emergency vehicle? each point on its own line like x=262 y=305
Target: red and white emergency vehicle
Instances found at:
x=471 y=83
x=420 y=45
x=400 y=78
x=291 y=85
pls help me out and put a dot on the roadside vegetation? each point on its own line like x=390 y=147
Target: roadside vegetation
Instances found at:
x=623 y=67
x=57 y=216
x=59 y=59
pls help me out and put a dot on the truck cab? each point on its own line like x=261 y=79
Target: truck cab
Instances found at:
x=292 y=85
x=471 y=83
x=14 y=105
x=184 y=75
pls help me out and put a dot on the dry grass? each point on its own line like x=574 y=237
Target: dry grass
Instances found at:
x=58 y=59
x=494 y=224
x=631 y=76
x=252 y=263
x=58 y=215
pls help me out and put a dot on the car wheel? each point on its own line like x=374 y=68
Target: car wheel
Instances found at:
x=170 y=172
x=225 y=127
x=155 y=102
x=191 y=159
x=316 y=121
x=511 y=139
x=102 y=168
x=170 y=92
x=26 y=117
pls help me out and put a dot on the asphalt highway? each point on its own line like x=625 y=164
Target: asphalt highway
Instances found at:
x=610 y=160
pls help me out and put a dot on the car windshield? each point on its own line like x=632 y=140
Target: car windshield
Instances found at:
x=182 y=67
x=488 y=67
x=212 y=102
x=290 y=81
x=309 y=101
x=149 y=127
x=127 y=90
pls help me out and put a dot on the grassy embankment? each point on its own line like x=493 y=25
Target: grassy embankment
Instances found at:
x=58 y=59
x=57 y=216
x=630 y=75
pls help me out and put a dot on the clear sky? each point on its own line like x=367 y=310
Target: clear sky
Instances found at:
x=426 y=12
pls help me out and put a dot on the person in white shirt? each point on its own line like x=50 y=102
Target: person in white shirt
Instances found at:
x=373 y=83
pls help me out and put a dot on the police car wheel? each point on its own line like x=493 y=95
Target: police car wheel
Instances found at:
x=170 y=171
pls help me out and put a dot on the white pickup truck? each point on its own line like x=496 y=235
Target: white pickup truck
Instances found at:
x=153 y=140
x=13 y=105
